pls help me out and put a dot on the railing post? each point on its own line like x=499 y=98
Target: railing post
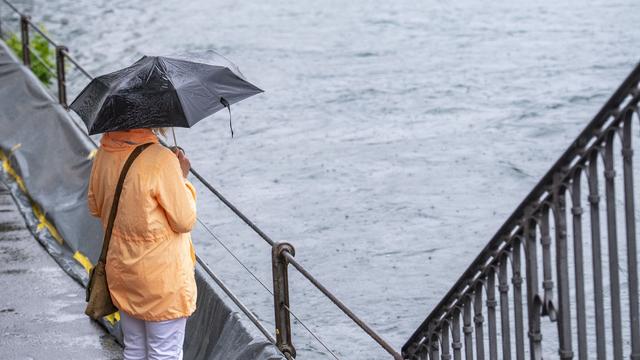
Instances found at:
x=630 y=221
x=596 y=254
x=62 y=87
x=533 y=298
x=281 y=297
x=563 y=311
x=24 y=32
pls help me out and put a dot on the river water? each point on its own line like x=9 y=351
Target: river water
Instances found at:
x=392 y=141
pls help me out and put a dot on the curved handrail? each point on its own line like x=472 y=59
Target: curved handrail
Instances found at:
x=628 y=92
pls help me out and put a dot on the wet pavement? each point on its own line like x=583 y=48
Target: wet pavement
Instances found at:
x=41 y=307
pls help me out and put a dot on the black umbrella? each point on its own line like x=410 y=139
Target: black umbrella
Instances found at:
x=160 y=91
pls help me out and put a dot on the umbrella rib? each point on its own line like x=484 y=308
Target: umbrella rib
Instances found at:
x=198 y=79
x=175 y=90
x=201 y=62
x=213 y=95
x=125 y=78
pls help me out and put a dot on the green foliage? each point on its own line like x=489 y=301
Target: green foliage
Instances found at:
x=45 y=54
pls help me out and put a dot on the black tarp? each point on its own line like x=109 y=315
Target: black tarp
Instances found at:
x=46 y=161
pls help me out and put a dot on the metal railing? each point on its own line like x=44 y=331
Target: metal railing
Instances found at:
x=282 y=253
x=62 y=54
x=567 y=287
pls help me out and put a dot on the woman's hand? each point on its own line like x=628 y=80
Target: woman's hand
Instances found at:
x=185 y=164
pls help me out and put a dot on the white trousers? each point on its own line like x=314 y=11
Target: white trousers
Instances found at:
x=152 y=340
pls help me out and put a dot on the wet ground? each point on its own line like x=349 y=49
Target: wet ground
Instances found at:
x=392 y=141
x=41 y=307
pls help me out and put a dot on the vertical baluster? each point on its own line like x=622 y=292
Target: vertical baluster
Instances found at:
x=478 y=319
x=533 y=304
x=434 y=353
x=468 y=328
x=614 y=277
x=596 y=254
x=491 y=312
x=562 y=271
x=630 y=221
x=503 y=288
x=456 y=345
x=516 y=280
x=423 y=350
x=576 y=211
x=547 y=273
x=444 y=334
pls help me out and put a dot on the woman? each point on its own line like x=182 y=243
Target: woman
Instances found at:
x=150 y=263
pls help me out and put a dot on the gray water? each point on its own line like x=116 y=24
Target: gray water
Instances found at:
x=393 y=139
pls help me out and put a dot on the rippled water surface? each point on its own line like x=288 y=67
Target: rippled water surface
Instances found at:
x=393 y=139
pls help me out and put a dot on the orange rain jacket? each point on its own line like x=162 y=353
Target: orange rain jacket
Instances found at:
x=151 y=261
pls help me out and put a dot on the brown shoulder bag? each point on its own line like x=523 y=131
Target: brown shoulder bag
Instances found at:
x=98 y=297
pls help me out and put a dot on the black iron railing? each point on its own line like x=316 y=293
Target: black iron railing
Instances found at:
x=282 y=253
x=566 y=276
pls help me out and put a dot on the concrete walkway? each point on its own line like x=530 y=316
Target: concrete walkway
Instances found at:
x=41 y=307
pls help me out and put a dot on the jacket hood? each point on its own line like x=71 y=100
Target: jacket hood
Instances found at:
x=126 y=139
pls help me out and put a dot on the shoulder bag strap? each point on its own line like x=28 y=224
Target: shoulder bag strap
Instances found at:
x=116 y=199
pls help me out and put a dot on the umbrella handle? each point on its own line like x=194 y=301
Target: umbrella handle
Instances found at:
x=175 y=142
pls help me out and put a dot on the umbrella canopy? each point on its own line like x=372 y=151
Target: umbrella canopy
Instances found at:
x=161 y=92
